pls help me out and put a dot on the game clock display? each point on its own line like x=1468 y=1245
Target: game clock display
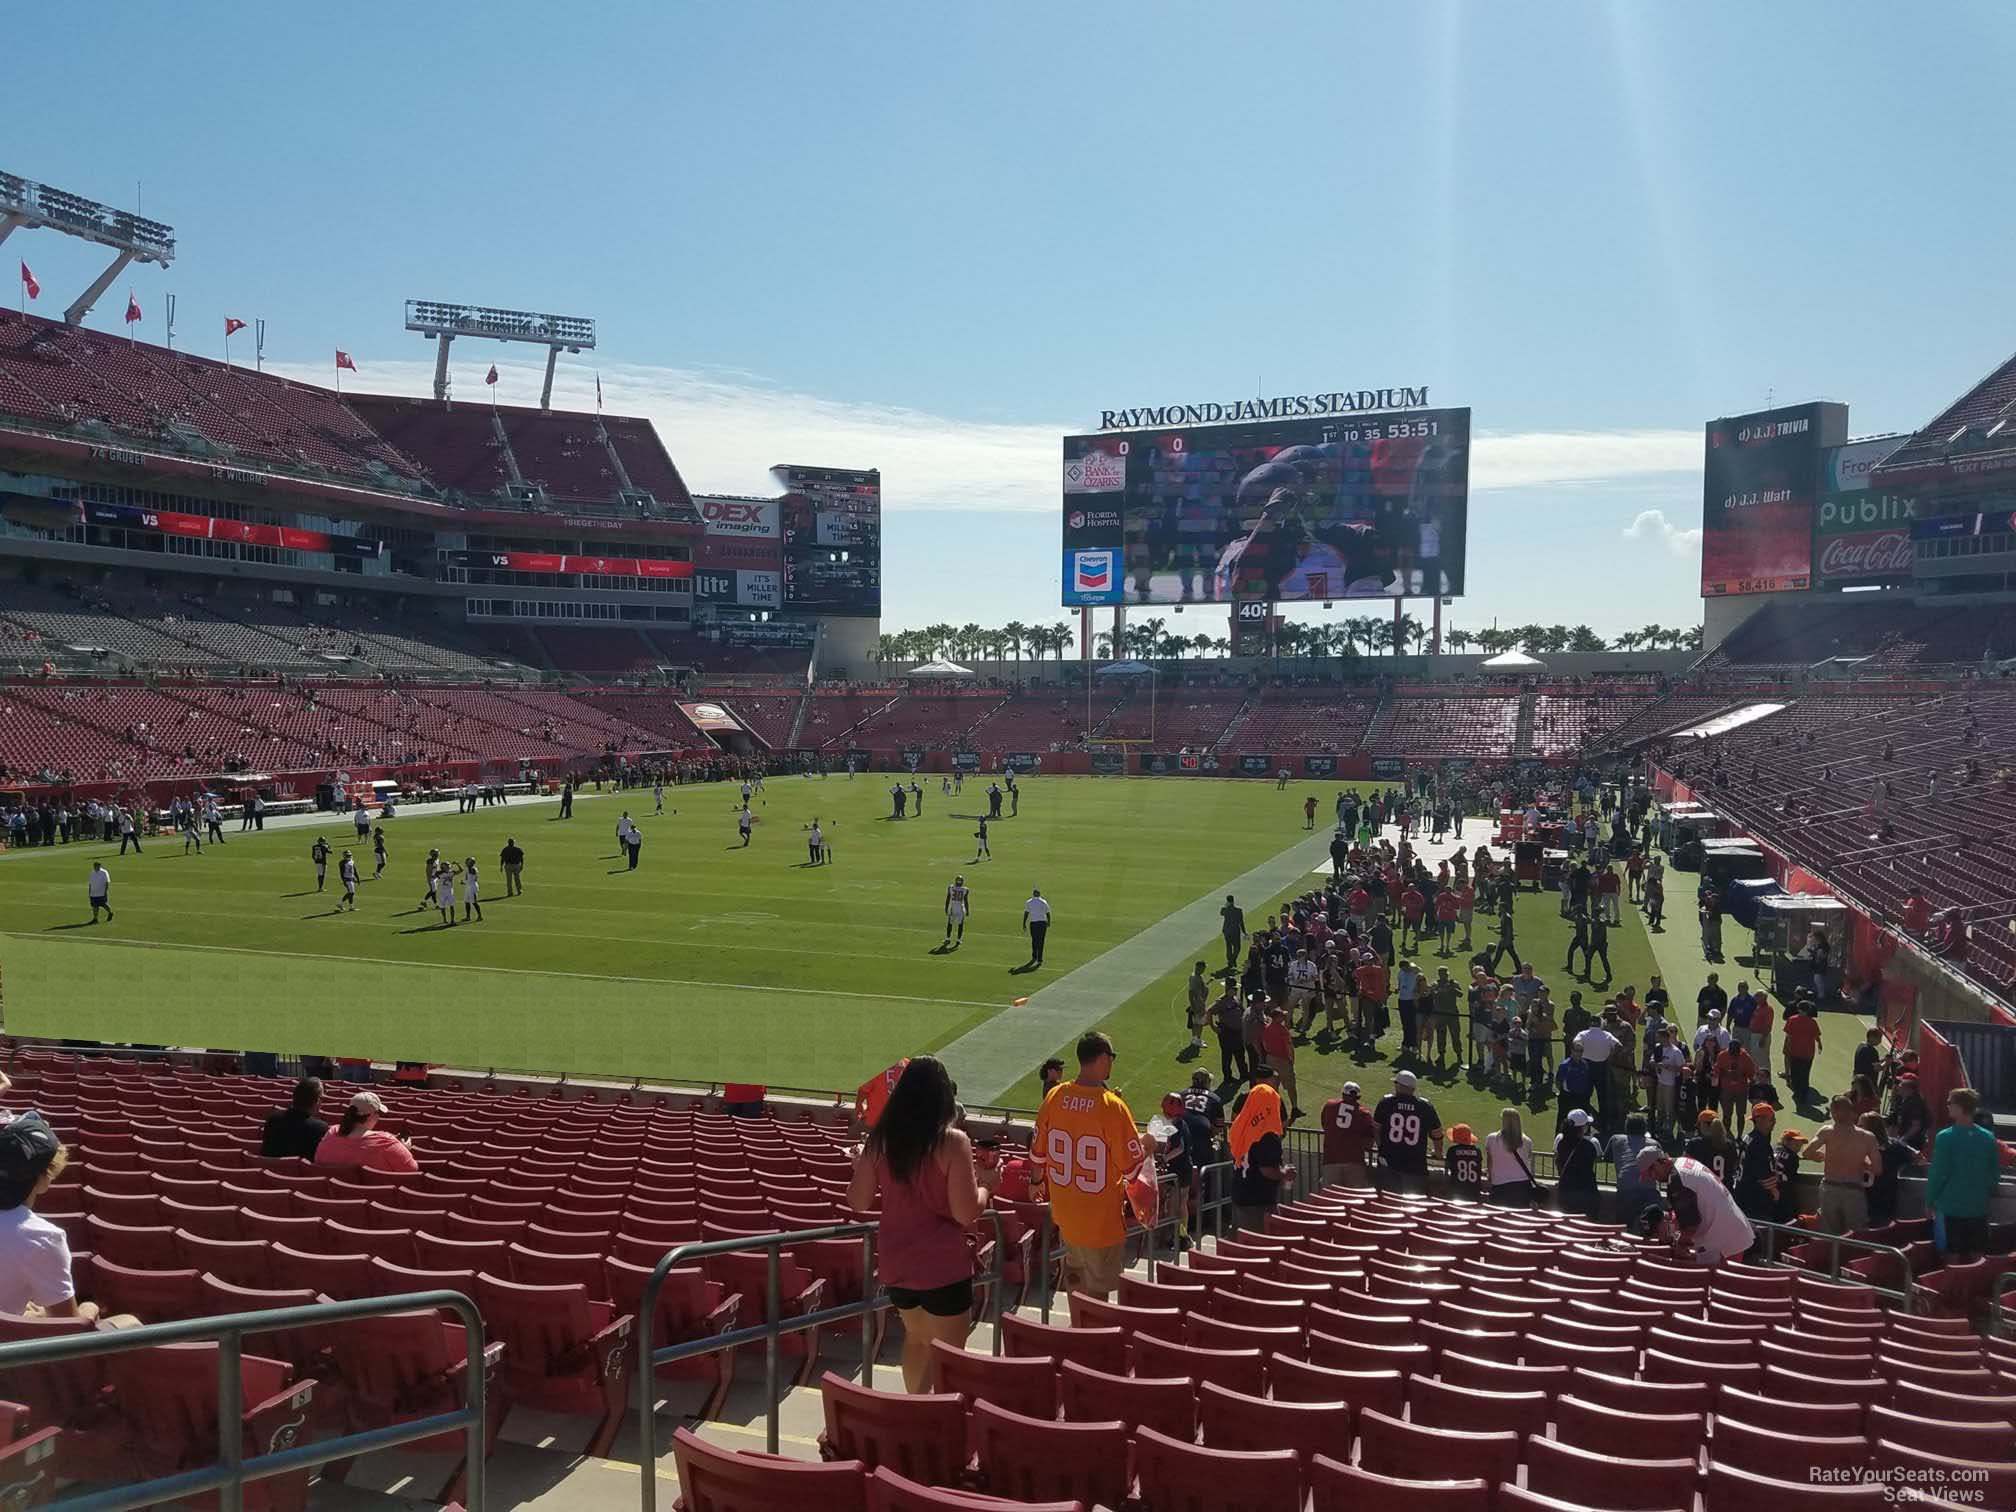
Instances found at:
x=1292 y=511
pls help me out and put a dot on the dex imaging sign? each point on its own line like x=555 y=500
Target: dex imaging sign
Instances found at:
x=747 y=518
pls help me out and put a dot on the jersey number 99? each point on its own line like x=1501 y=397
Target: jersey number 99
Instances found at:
x=1079 y=1163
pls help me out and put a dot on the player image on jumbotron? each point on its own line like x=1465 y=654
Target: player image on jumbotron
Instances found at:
x=1361 y=509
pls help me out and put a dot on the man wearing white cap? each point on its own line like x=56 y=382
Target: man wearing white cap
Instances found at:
x=1405 y=1126
x=1575 y=1157
x=1705 y=1224
x=1348 y=1131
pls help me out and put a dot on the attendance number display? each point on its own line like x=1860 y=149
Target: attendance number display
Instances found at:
x=1079 y=1163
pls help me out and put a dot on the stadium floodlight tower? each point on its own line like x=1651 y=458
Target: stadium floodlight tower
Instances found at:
x=25 y=204
x=442 y=322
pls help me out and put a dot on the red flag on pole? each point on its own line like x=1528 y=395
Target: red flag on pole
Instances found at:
x=491 y=378
x=231 y=325
x=132 y=308
x=28 y=283
x=343 y=360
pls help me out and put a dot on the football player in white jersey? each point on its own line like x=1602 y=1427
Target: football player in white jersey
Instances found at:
x=956 y=902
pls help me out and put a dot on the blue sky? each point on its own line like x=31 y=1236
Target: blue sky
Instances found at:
x=933 y=238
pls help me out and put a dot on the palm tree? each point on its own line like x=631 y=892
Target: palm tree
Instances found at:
x=1582 y=638
x=937 y=639
x=1063 y=636
x=1201 y=643
x=1015 y=634
x=1102 y=644
x=1457 y=640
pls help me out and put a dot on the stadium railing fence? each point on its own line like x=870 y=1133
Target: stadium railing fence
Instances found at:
x=231 y=1473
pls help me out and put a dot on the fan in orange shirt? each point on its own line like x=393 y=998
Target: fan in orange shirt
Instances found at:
x=1092 y=1156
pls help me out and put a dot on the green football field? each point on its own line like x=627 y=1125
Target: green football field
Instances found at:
x=709 y=962
x=712 y=962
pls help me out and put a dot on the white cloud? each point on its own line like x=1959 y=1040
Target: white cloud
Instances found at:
x=1652 y=525
x=725 y=430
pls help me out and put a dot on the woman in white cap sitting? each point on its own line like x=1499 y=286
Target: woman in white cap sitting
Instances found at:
x=358 y=1141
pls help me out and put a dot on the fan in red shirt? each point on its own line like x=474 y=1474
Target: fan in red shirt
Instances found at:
x=1359 y=903
x=1446 y=908
x=1370 y=978
x=1348 y=1132
x=1413 y=904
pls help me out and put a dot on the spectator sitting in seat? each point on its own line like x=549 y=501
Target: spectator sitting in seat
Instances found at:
x=35 y=1253
x=294 y=1129
x=358 y=1141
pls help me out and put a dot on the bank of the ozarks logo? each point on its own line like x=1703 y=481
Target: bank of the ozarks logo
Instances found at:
x=1095 y=472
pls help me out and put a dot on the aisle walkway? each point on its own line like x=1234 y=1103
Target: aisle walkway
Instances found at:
x=989 y=1059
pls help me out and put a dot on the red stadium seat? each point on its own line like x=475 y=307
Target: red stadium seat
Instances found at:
x=890 y=1492
x=1980 y=1483
x=343 y=1277
x=564 y=1352
x=1627 y=1395
x=1649 y=1435
x=1093 y=1396
x=1024 y=1386
x=1236 y=1369
x=1787 y=1456
x=167 y=1397
x=1100 y=1348
x=1517 y=1499
x=1731 y=1490
x=1292 y=1380
x=247 y=1262
x=1952 y=1407
x=1033 y=1459
x=1962 y=1441
x=1177 y=1475
x=1387 y=1446
x=1599 y=1478
x=922 y=1438
x=1339 y=1487
x=1790 y=1415
x=1435 y=1404
x=1162 y=1323
x=721 y=1480
x=1237 y=1420
x=690 y=1307
x=30 y=1465
x=60 y=1393
x=1489 y=1375
x=153 y=1296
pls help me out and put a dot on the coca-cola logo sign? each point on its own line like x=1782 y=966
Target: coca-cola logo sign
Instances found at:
x=1867 y=554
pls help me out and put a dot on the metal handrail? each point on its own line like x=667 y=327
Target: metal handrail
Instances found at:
x=1999 y=1325
x=771 y=1331
x=1907 y=1297
x=228 y=1476
x=1213 y=1179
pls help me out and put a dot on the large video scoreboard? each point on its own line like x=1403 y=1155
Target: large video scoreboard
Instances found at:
x=1279 y=511
x=832 y=520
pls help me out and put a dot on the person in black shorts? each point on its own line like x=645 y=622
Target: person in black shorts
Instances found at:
x=919 y=1174
x=1406 y=1127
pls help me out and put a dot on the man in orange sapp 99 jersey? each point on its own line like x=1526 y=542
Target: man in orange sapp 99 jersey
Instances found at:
x=1090 y=1150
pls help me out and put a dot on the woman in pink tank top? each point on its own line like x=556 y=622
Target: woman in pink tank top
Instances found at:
x=919 y=1171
